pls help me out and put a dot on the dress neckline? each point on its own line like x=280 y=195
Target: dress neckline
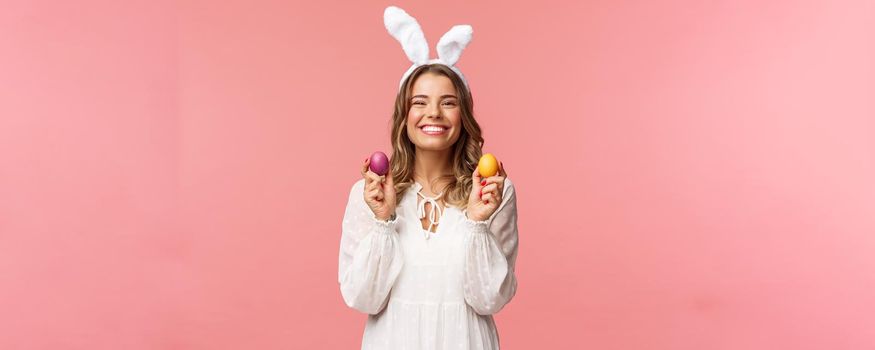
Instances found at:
x=435 y=216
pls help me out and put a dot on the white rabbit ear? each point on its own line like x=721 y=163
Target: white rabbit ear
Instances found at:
x=407 y=31
x=452 y=44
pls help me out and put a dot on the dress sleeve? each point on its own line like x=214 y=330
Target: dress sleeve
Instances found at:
x=492 y=245
x=370 y=255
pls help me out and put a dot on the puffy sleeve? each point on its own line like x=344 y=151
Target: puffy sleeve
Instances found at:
x=492 y=245
x=370 y=255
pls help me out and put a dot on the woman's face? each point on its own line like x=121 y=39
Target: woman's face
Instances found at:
x=434 y=120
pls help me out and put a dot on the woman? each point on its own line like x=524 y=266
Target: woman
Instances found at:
x=428 y=251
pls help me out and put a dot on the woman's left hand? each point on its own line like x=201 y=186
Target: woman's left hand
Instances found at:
x=485 y=194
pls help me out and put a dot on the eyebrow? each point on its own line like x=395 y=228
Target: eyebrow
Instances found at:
x=444 y=96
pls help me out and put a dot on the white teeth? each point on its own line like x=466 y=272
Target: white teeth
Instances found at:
x=433 y=129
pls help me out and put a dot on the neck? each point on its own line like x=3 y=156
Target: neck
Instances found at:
x=430 y=165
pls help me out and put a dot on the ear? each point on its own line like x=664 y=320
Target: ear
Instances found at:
x=453 y=42
x=407 y=31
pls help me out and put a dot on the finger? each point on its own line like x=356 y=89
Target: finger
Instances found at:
x=372 y=194
x=374 y=187
x=372 y=182
x=390 y=181
x=492 y=198
x=381 y=189
x=371 y=176
x=499 y=182
x=490 y=188
x=501 y=170
x=389 y=186
x=475 y=176
x=498 y=179
x=493 y=180
x=378 y=187
x=365 y=165
x=487 y=197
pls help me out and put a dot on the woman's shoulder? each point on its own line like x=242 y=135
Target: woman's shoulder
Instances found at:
x=508 y=185
x=358 y=184
x=357 y=190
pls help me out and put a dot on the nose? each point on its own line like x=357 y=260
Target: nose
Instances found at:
x=433 y=112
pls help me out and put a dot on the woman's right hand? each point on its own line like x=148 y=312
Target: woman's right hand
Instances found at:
x=379 y=192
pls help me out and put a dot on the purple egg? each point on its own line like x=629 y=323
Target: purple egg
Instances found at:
x=379 y=163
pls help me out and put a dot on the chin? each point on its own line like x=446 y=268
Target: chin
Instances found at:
x=432 y=146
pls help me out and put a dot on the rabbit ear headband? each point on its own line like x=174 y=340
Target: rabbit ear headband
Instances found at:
x=407 y=31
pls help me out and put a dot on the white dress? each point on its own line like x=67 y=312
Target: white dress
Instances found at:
x=424 y=290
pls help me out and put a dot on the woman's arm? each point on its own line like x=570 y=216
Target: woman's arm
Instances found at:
x=492 y=244
x=370 y=255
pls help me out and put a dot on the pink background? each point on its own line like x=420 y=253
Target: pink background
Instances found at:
x=690 y=175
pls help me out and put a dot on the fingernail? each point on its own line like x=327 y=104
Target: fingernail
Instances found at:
x=482 y=182
x=486 y=202
x=481 y=193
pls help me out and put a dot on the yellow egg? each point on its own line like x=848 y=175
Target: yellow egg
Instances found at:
x=488 y=165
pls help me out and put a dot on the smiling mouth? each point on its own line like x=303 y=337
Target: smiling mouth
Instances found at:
x=433 y=130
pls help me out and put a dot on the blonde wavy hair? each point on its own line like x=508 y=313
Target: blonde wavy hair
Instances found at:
x=466 y=151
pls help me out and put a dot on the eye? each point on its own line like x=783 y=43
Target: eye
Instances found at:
x=418 y=102
x=450 y=103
